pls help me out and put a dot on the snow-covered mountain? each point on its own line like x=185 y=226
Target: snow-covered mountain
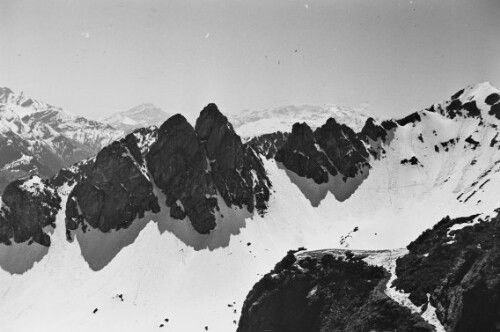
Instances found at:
x=171 y=227
x=39 y=138
x=250 y=123
x=141 y=116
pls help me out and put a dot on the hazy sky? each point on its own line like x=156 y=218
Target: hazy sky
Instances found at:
x=98 y=57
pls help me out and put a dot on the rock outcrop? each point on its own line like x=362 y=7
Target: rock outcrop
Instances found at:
x=236 y=169
x=494 y=101
x=269 y=144
x=324 y=293
x=28 y=206
x=331 y=149
x=373 y=131
x=343 y=147
x=455 y=267
x=457 y=263
x=179 y=166
x=192 y=166
x=302 y=155
x=113 y=191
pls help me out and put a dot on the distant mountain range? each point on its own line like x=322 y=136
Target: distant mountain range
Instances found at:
x=251 y=123
x=39 y=138
x=141 y=116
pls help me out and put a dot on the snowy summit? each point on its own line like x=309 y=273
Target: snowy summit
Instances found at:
x=140 y=116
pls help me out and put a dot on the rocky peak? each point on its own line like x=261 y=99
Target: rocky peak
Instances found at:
x=29 y=205
x=302 y=155
x=178 y=164
x=301 y=134
x=342 y=146
x=191 y=166
x=331 y=149
x=223 y=145
x=114 y=190
x=373 y=131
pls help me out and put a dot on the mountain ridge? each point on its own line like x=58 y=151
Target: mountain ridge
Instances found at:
x=408 y=185
x=38 y=138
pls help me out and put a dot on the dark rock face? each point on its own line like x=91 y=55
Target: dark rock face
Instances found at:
x=389 y=124
x=324 y=294
x=237 y=171
x=456 y=108
x=72 y=174
x=412 y=118
x=460 y=270
x=375 y=136
x=457 y=94
x=373 y=131
x=301 y=155
x=492 y=99
x=269 y=144
x=29 y=205
x=343 y=147
x=113 y=191
x=179 y=166
x=331 y=149
x=191 y=166
x=453 y=108
x=471 y=108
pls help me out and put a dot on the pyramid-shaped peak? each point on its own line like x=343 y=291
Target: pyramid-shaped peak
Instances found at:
x=211 y=111
x=211 y=118
x=176 y=122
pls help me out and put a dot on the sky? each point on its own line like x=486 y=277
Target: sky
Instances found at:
x=94 y=58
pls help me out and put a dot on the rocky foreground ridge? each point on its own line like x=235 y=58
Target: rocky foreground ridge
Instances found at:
x=453 y=267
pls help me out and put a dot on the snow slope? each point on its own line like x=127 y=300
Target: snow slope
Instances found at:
x=164 y=270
